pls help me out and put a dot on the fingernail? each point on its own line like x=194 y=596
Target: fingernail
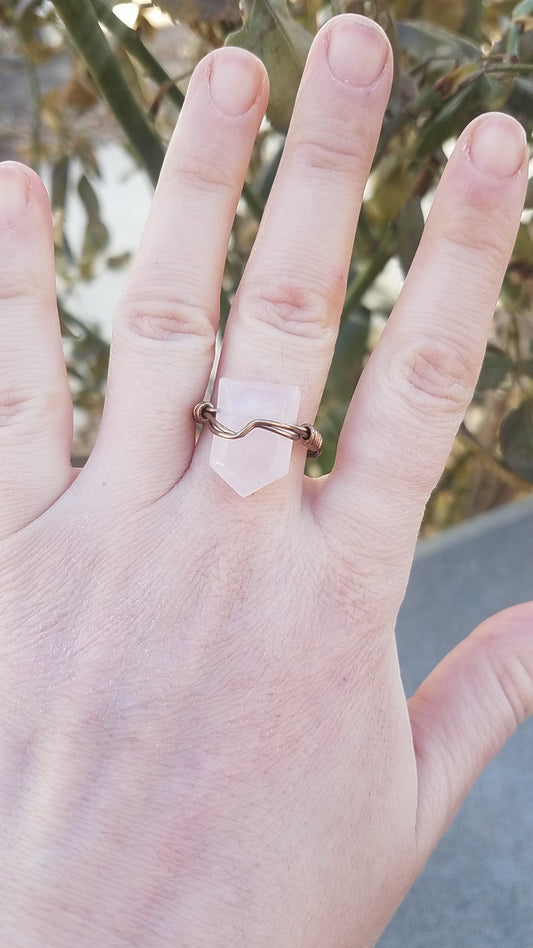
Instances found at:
x=14 y=194
x=234 y=81
x=357 y=50
x=498 y=146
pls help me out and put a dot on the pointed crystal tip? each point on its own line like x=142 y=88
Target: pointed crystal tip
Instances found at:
x=261 y=457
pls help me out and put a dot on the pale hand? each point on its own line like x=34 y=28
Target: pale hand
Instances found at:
x=204 y=737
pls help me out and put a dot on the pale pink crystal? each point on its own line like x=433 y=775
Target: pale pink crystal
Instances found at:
x=261 y=457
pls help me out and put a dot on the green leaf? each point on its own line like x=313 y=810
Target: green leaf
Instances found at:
x=527 y=366
x=198 y=11
x=426 y=42
x=516 y=440
x=280 y=42
x=60 y=171
x=88 y=197
x=473 y=18
x=523 y=248
x=346 y=367
x=520 y=101
x=482 y=94
x=393 y=185
x=496 y=367
x=409 y=225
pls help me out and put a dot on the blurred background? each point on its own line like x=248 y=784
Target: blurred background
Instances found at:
x=89 y=95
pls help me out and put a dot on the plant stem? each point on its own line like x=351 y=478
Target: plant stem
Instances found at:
x=33 y=81
x=132 y=42
x=86 y=33
x=512 y=69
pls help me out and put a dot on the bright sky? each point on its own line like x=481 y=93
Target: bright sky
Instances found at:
x=128 y=11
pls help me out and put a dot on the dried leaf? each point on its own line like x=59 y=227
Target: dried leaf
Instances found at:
x=118 y=260
x=53 y=108
x=392 y=186
x=450 y=15
x=80 y=95
x=88 y=197
x=426 y=42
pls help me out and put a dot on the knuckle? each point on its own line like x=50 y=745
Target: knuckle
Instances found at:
x=437 y=375
x=204 y=173
x=296 y=309
x=23 y=410
x=335 y=150
x=511 y=674
x=477 y=250
x=516 y=687
x=163 y=317
x=16 y=289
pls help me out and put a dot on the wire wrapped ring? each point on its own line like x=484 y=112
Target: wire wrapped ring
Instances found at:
x=205 y=413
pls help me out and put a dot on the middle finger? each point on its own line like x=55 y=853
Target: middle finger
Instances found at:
x=284 y=319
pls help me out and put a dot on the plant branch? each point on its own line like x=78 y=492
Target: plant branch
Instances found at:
x=86 y=33
x=133 y=44
x=36 y=125
x=512 y=69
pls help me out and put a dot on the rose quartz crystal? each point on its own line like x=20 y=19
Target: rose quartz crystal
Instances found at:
x=261 y=457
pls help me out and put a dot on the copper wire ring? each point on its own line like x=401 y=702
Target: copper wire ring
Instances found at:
x=205 y=413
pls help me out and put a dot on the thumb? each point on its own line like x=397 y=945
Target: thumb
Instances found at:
x=464 y=712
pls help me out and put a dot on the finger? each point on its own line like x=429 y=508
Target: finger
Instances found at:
x=419 y=381
x=464 y=712
x=284 y=320
x=165 y=327
x=35 y=405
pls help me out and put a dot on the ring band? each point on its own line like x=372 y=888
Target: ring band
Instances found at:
x=205 y=413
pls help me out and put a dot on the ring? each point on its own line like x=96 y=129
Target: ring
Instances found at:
x=244 y=451
x=205 y=413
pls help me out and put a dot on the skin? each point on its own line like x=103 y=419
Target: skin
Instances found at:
x=204 y=736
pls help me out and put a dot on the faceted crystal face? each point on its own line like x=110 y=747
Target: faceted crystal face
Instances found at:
x=261 y=457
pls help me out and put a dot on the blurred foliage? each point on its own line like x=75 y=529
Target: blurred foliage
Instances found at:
x=454 y=60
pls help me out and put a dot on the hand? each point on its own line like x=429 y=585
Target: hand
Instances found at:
x=205 y=741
